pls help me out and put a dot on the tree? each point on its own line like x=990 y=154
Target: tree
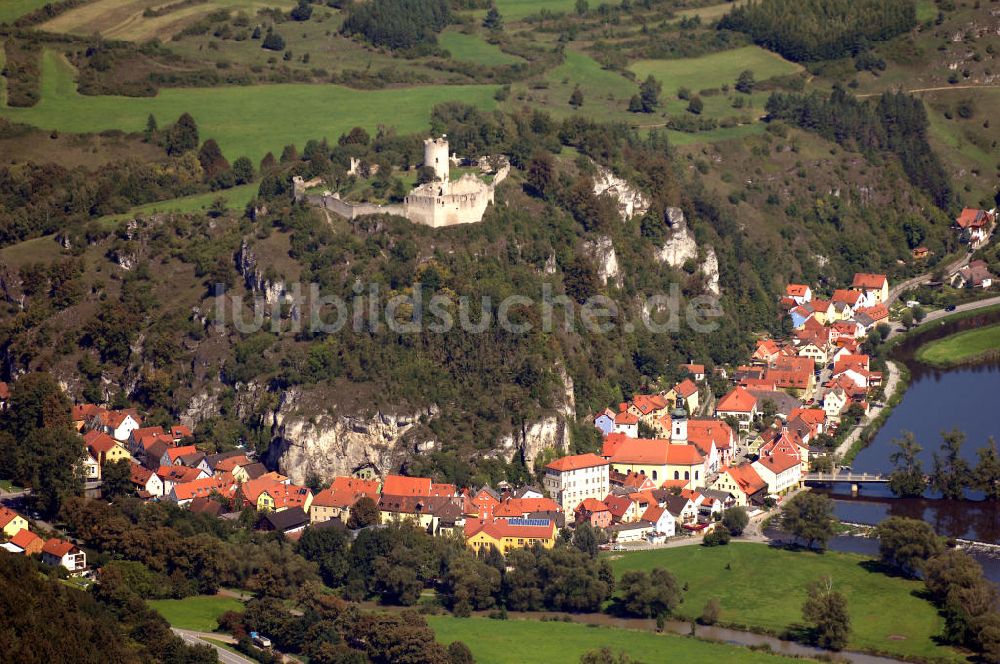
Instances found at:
x=273 y=41
x=745 y=82
x=826 y=609
x=649 y=94
x=576 y=99
x=268 y=163
x=649 y=595
x=541 y=174
x=151 y=128
x=212 y=160
x=735 y=519
x=302 y=11
x=605 y=656
x=710 y=614
x=906 y=318
x=243 y=170
x=918 y=313
x=364 y=513
x=459 y=653
x=582 y=7
x=182 y=136
x=635 y=104
x=328 y=548
x=907 y=544
x=116 y=479
x=493 y=20
x=988 y=470
x=809 y=516
x=585 y=539
x=907 y=477
x=951 y=473
x=470 y=585
x=718 y=537
x=696 y=105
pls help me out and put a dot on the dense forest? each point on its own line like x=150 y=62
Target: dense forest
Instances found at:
x=895 y=123
x=803 y=30
x=398 y=24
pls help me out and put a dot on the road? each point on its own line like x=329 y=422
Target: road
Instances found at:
x=225 y=656
x=891 y=383
x=937 y=89
x=920 y=279
x=941 y=313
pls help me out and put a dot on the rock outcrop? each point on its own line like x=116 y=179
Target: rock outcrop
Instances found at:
x=246 y=263
x=631 y=201
x=681 y=247
x=603 y=252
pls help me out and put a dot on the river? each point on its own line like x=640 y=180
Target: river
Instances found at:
x=937 y=400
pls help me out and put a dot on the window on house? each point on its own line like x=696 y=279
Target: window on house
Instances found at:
x=687 y=475
x=654 y=474
x=677 y=475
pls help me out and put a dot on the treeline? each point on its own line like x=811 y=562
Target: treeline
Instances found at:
x=954 y=582
x=803 y=30
x=895 y=123
x=46 y=621
x=951 y=475
x=398 y=24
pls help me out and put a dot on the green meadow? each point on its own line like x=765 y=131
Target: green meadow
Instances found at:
x=10 y=10
x=964 y=347
x=513 y=10
x=475 y=49
x=245 y=120
x=763 y=588
x=714 y=70
x=199 y=613
x=532 y=641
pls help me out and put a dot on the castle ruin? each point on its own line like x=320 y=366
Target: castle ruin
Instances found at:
x=437 y=203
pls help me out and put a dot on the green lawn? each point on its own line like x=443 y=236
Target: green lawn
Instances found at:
x=475 y=49
x=531 y=641
x=926 y=10
x=10 y=10
x=236 y=197
x=248 y=120
x=9 y=486
x=963 y=347
x=513 y=10
x=764 y=588
x=198 y=613
x=712 y=12
x=712 y=71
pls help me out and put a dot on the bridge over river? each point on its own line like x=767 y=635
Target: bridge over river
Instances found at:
x=856 y=480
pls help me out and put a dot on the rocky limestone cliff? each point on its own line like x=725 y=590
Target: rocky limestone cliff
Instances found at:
x=631 y=201
x=246 y=264
x=306 y=442
x=681 y=247
x=605 y=259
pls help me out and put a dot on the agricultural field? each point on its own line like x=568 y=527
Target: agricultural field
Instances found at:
x=712 y=12
x=118 y=19
x=735 y=575
x=715 y=70
x=534 y=642
x=967 y=346
x=249 y=120
x=199 y=613
x=11 y=10
x=474 y=49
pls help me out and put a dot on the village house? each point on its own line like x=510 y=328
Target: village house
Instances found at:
x=184 y=493
x=572 y=479
x=660 y=520
x=510 y=534
x=269 y=493
x=622 y=508
x=649 y=407
x=684 y=395
x=795 y=375
x=147 y=483
x=626 y=423
x=874 y=286
x=605 y=421
x=336 y=501
x=103 y=448
x=766 y=352
x=799 y=293
x=11 y=522
x=57 y=552
x=594 y=512
x=631 y=532
x=28 y=542
x=713 y=438
x=697 y=371
x=118 y=423
x=287 y=522
x=975 y=226
x=657 y=459
x=974 y=275
x=738 y=404
x=682 y=508
x=781 y=472
x=743 y=483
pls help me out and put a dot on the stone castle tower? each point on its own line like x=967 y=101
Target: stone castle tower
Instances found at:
x=436 y=156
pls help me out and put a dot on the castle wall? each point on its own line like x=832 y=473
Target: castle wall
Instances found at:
x=355 y=210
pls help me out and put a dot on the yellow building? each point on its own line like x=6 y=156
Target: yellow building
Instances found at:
x=659 y=460
x=509 y=534
x=12 y=522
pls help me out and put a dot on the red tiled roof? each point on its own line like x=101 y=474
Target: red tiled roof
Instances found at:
x=400 y=485
x=685 y=388
x=178 y=474
x=617 y=505
x=655 y=452
x=231 y=463
x=971 y=218
x=591 y=505
x=647 y=403
x=24 y=538
x=98 y=441
x=877 y=312
x=516 y=507
x=868 y=281
x=745 y=477
x=738 y=400
x=778 y=462
x=576 y=462
x=653 y=513
x=85 y=411
x=181 y=431
x=57 y=547
x=702 y=433
x=796 y=290
x=175 y=453
x=204 y=487
x=626 y=418
x=694 y=368
x=809 y=415
x=850 y=297
x=7 y=515
x=368 y=487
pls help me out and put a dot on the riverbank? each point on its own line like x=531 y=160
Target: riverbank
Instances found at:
x=969 y=347
x=897 y=380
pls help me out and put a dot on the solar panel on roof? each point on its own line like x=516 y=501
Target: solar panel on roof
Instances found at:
x=528 y=522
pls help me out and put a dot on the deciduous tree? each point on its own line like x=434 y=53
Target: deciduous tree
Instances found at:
x=826 y=610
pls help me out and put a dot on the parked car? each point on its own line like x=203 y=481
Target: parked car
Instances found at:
x=950 y=307
x=259 y=640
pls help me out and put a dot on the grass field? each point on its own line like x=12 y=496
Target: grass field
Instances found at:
x=123 y=19
x=236 y=197
x=712 y=71
x=531 y=642
x=250 y=120
x=513 y=10
x=474 y=49
x=926 y=10
x=198 y=613
x=961 y=348
x=10 y=10
x=764 y=588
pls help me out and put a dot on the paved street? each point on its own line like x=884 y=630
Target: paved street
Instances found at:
x=225 y=656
